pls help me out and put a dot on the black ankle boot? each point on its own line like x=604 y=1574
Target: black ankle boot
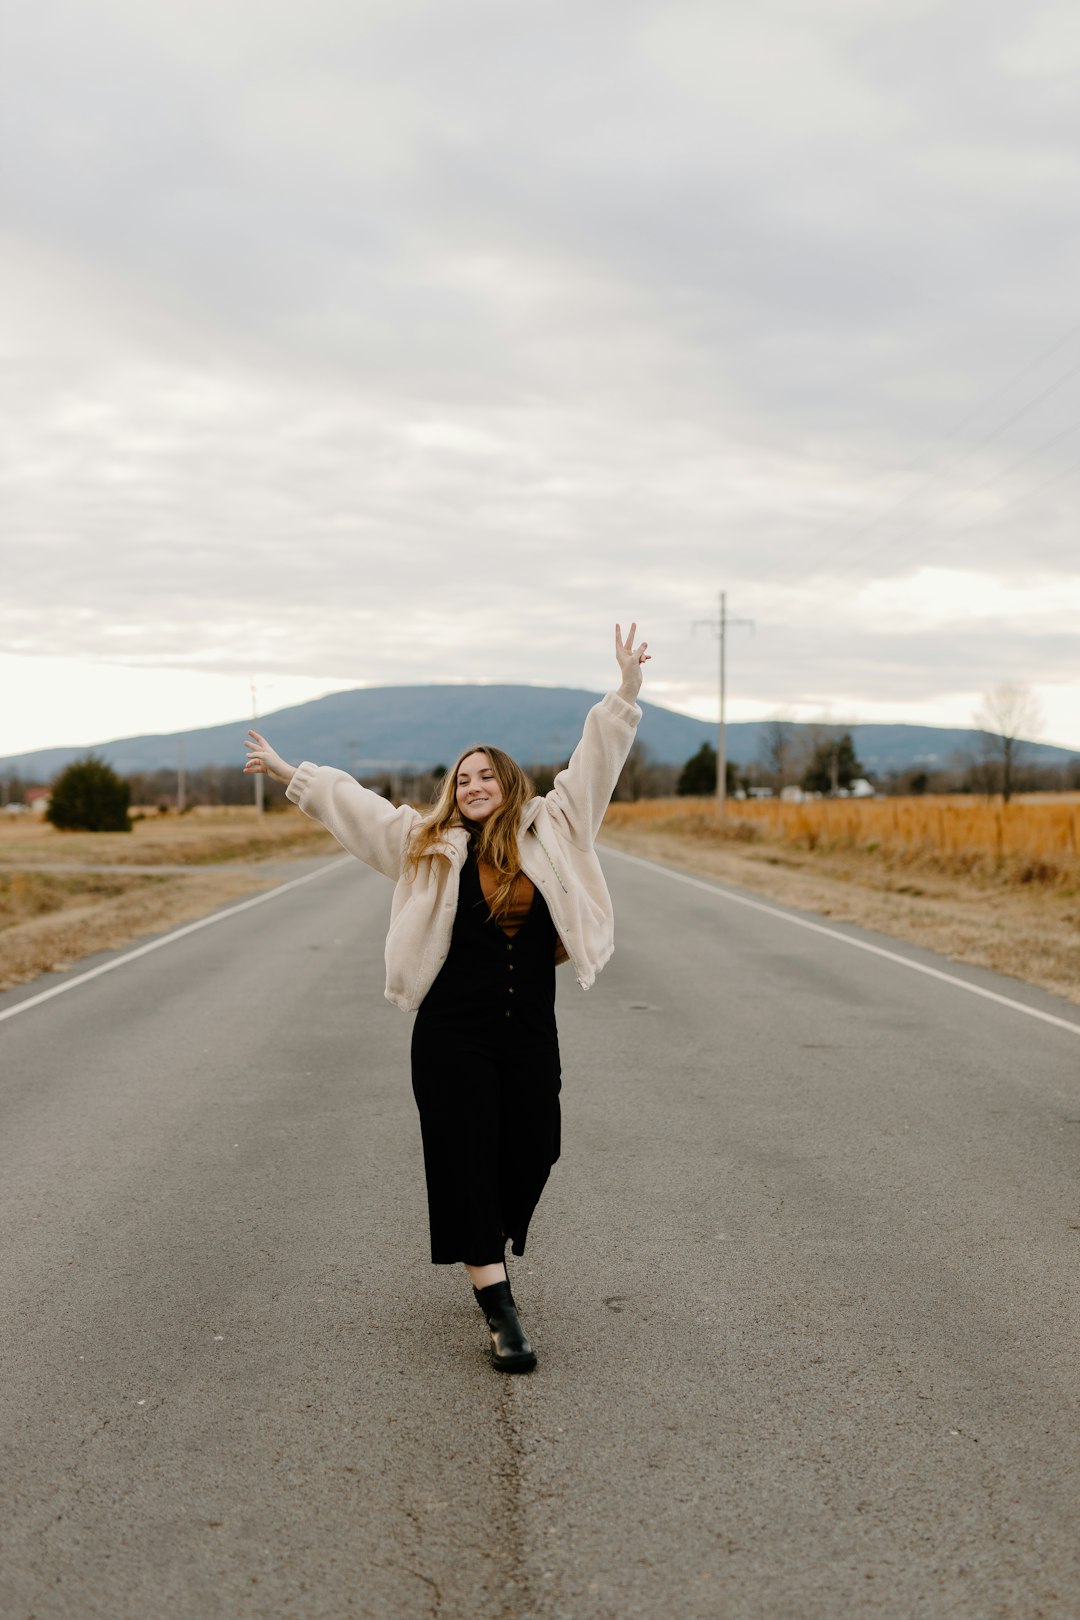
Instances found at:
x=510 y=1349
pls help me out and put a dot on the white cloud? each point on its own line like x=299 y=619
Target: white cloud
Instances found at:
x=416 y=343
x=955 y=598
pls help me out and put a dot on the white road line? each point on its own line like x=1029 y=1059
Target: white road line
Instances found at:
x=846 y=939
x=168 y=939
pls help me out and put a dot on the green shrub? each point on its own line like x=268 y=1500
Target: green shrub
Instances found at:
x=698 y=778
x=89 y=797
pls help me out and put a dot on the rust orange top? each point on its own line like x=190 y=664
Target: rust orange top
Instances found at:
x=521 y=898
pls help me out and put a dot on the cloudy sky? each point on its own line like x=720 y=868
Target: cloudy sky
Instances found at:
x=384 y=341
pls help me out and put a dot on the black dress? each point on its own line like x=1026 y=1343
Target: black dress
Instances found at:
x=486 y=1078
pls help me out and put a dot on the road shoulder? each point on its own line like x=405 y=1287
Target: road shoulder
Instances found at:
x=1030 y=936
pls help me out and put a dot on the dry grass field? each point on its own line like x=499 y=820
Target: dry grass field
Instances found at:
x=1042 y=829
x=202 y=837
x=52 y=915
x=995 y=886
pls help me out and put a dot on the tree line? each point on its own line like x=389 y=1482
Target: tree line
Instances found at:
x=829 y=765
x=90 y=795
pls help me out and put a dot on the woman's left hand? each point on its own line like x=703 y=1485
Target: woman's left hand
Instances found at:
x=630 y=659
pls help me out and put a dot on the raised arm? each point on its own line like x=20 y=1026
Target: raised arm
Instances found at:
x=363 y=822
x=582 y=792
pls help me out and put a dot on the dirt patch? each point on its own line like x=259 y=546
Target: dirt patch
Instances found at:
x=1026 y=929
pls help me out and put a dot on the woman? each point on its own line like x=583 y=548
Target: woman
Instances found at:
x=493 y=887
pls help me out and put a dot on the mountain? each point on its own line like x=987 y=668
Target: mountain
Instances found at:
x=381 y=727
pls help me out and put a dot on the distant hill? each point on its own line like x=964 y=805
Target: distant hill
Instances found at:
x=381 y=727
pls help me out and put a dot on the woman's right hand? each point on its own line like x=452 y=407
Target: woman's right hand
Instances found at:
x=630 y=659
x=262 y=760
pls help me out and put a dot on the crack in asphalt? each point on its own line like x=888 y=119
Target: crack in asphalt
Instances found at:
x=519 y=1599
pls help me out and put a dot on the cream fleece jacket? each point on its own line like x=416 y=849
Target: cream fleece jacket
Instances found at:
x=557 y=837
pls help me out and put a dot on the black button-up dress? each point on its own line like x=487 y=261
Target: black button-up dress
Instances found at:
x=486 y=1078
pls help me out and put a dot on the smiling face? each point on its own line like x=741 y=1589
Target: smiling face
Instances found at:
x=478 y=792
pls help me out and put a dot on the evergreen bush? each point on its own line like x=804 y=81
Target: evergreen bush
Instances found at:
x=89 y=797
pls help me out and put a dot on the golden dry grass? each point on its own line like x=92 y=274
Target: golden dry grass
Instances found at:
x=144 y=907
x=1046 y=828
x=27 y=895
x=202 y=837
x=50 y=920
x=1017 y=913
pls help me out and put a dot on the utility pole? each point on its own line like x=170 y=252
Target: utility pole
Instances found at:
x=259 y=780
x=181 y=779
x=719 y=628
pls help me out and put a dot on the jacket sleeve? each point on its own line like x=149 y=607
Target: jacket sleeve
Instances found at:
x=582 y=792
x=363 y=822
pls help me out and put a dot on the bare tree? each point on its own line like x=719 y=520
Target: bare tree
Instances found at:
x=1007 y=715
x=778 y=749
x=636 y=779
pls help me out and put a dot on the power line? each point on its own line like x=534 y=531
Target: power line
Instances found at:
x=987 y=438
x=800 y=661
x=1018 y=376
x=913 y=495
x=967 y=495
x=979 y=528
x=1010 y=382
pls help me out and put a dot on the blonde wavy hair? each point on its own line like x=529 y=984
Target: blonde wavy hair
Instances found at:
x=496 y=843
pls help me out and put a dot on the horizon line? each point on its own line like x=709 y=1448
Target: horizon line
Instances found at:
x=824 y=721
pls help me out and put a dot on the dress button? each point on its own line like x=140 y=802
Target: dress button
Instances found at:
x=507 y=1012
x=510 y=991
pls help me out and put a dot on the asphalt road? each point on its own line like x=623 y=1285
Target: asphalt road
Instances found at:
x=803 y=1288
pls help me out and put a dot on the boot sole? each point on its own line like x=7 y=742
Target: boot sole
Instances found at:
x=526 y=1364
